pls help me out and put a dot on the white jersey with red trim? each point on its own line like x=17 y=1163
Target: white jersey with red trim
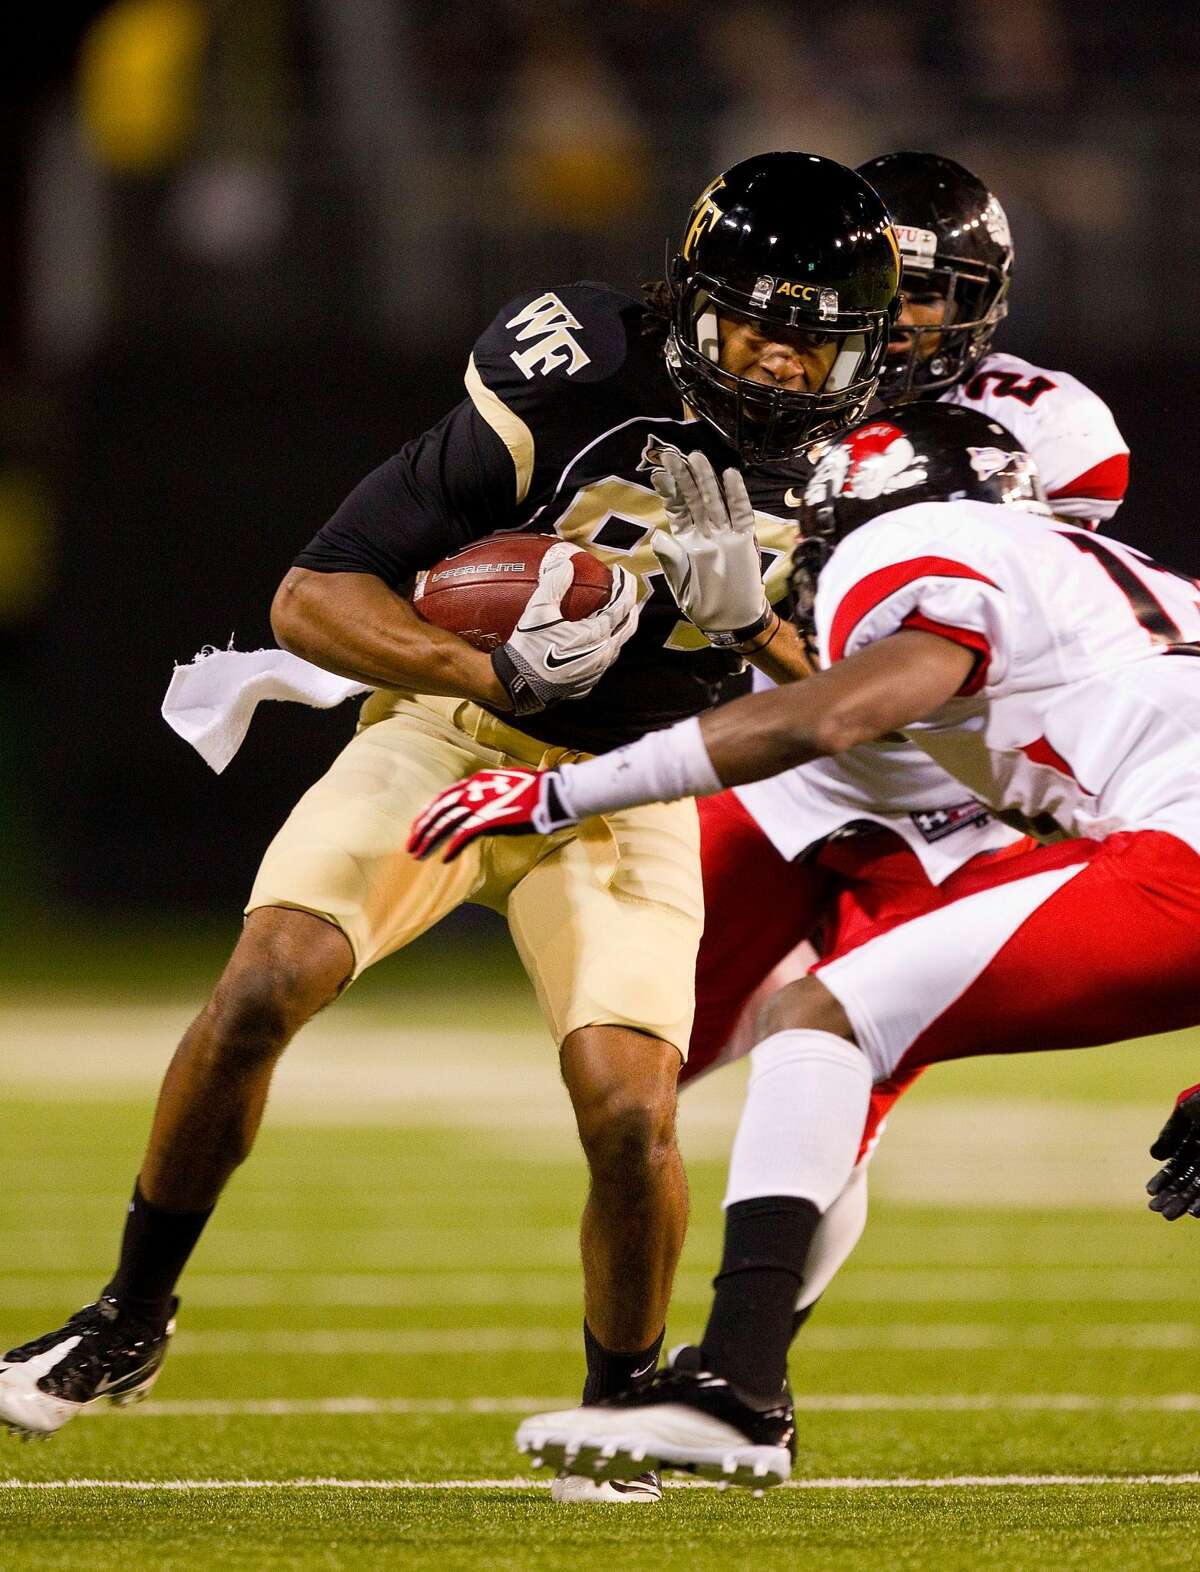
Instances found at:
x=1083 y=707
x=1084 y=463
x=893 y=784
x=1068 y=430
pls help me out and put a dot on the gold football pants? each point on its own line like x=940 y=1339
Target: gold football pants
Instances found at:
x=606 y=917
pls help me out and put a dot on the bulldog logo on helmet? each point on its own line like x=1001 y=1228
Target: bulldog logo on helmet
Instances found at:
x=872 y=462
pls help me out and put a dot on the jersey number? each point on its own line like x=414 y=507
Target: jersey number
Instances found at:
x=1146 y=607
x=1007 y=384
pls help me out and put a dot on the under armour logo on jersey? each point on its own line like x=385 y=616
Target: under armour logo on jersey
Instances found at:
x=547 y=321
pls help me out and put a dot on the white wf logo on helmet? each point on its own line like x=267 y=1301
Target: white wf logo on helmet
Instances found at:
x=546 y=320
x=875 y=462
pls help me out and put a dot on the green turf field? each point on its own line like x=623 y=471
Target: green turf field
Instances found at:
x=1005 y=1377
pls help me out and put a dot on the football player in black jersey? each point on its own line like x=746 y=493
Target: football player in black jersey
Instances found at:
x=769 y=333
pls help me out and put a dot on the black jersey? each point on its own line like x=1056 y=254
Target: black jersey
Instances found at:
x=568 y=403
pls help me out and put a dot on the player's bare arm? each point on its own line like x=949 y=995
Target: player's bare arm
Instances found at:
x=890 y=684
x=375 y=636
x=779 y=653
x=357 y=626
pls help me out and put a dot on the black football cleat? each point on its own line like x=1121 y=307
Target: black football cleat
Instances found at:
x=99 y=1355
x=684 y=1417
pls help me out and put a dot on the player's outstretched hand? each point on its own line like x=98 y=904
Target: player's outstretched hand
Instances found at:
x=492 y=802
x=709 y=553
x=1175 y=1188
x=548 y=657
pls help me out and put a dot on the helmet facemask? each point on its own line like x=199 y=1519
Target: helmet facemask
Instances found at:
x=761 y=422
x=809 y=556
x=941 y=354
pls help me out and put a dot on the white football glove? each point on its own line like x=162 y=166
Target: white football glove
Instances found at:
x=548 y=658
x=708 y=551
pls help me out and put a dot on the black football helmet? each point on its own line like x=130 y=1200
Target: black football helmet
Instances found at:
x=922 y=452
x=795 y=241
x=954 y=246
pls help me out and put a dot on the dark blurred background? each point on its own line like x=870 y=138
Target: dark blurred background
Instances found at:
x=249 y=244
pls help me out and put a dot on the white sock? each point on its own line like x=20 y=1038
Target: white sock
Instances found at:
x=803 y=1119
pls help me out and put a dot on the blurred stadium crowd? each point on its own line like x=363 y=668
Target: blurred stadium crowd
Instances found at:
x=251 y=241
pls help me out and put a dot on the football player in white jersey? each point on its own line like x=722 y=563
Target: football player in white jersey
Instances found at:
x=957 y=258
x=1055 y=674
x=786 y=860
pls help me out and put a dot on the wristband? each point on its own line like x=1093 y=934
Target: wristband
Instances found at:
x=732 y=638
x=756 y=646
x=521 y=693
x=660 y=767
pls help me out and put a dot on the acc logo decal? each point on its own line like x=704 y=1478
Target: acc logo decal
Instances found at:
x=547 y=320
x=827 y=299
x=874 y=462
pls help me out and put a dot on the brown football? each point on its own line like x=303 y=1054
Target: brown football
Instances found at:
x=481 y=591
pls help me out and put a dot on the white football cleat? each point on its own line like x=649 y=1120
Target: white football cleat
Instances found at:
x=585 y=1488
x=684 y=1417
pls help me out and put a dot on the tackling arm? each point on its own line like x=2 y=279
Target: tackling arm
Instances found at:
x=900 y=679
x=889 y=684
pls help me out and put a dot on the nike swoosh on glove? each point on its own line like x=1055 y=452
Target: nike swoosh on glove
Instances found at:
x=548 y=657
x=491 y=802
x=1175 y=1189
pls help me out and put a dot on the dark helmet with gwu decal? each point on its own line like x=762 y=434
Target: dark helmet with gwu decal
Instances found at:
x=955 y=248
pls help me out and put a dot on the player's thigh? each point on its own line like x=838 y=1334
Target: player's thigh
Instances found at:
x=1068 y=946
x=608 y=924
x=873 y=878
x=758 y=908
x=877 y=881
x=341 y=854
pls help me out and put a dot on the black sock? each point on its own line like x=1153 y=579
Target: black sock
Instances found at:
x=154 y=1251
x=750 y=1325
x=609 y=1373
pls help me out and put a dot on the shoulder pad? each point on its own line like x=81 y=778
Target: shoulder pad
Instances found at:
x=566 y=337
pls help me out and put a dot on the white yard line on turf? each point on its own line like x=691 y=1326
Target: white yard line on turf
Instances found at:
x=824 y=1403
x=516 y=1340
x=429 y=1290
x=519 y=1482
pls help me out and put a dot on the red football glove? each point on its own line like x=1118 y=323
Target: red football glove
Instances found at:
x=492 y=802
